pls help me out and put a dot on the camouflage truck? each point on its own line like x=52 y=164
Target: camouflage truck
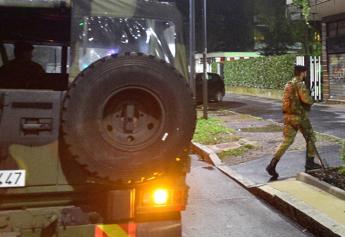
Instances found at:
x=100 y=146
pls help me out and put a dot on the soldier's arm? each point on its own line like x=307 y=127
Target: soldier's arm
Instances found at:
x=303 y=94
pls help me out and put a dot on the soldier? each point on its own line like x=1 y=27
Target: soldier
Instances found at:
x=21 y=72
x=296 y=105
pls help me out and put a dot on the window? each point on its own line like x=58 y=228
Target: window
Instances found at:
x=341 y=27
x=49 y=57
x=101 y=36
x=336 y=28
x=332 y=29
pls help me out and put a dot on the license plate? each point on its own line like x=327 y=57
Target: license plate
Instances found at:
x=12 y=178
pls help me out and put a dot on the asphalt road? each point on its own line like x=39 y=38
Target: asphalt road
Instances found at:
x=329 y=119
x=219 y=207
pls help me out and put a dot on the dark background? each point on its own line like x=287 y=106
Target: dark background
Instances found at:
x=250 y=25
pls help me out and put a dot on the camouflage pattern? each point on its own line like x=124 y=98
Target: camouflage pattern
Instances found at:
x=296 y=105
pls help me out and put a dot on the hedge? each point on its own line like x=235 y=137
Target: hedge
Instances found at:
x=263 y=72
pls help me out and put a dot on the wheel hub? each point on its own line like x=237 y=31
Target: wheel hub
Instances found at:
x=133 y=119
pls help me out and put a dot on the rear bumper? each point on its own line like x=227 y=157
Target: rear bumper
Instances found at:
x=170 y=228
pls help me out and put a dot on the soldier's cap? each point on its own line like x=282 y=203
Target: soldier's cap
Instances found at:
x=301 y=68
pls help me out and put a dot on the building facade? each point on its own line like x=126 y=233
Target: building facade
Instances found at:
x=331 y=13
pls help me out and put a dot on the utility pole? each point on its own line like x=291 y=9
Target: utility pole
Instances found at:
x=192 y=46
x=204 y=81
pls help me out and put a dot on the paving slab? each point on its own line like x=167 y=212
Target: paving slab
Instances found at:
x=317 y=210
x=316 y=198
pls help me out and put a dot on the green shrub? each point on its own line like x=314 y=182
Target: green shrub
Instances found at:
x=264 y=72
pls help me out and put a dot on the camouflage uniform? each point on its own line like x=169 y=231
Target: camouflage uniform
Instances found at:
x=296 y=106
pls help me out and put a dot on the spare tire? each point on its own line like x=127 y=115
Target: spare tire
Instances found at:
x=125 y=118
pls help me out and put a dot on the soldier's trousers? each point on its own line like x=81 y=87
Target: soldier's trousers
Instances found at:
x=293 y=124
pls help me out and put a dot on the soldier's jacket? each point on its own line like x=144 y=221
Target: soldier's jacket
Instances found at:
x=296 y=98
x=21 y=74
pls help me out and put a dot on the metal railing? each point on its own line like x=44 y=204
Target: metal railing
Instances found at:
x=315 y=80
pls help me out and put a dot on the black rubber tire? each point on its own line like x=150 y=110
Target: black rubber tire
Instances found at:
x=126 y=117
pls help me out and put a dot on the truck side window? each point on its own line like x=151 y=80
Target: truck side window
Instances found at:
x=49 y=58
x=21 y=72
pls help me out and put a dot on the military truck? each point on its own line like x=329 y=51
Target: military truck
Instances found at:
x=99 y=147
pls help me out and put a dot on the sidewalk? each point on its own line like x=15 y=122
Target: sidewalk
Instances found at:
x=316 y=209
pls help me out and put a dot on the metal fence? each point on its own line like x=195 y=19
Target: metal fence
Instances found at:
x=314 y=82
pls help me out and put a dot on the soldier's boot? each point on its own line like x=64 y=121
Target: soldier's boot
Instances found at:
x=271 y=169
x=311 y=165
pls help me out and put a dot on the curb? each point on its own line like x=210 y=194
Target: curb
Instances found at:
x=306 y=178
x=311 y=219
x=206 y=154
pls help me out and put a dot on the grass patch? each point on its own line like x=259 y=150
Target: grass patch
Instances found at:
x=267 y=128
x=236 y=151
x=213 y=131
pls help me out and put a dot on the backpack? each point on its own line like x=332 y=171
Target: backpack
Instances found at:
x=291 y=102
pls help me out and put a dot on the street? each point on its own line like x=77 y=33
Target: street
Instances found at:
x=219 y=207
x=329 y=119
